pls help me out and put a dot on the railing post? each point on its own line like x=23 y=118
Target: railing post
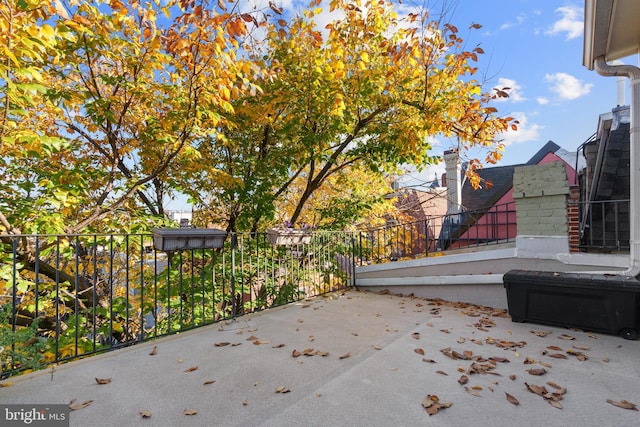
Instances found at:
x=233 y=275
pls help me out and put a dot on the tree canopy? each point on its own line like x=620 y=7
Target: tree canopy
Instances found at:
x=108 y=108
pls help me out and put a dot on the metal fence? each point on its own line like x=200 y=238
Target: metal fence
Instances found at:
x=433 y=235
x=63 y=297
x=604 y=225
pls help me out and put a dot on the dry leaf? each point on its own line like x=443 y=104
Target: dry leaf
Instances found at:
x=416 y=335
x=282 y=389
x=209 y=382
x=554 y=385
x=191 y=369
x=154 y=351
x=511 y=399
x=221 y=344
x=103 y=380
x=541 y=333
x=582 y=347
x=623 y=404
x=311 y=338
x=252 y=338
x=189 y=412
x=442 y=373
x=75 y=407
x=344 y=356
x=566 y=337
x=428 y=360
x=463 y=379
x=377 y=347
x=6 y=384
x=145 y=414
x=558 y=356
x=605 y=359
x=245 y=402
x=236 y=344
x=472 y=392
x=554 y=348
x=554 y=403
x=321 y=353
x=545 y=364
x=419 y=351
x=529 y=361
x=512 y=377
x=295 y=353
x=277 y=346
x=537 y=371
x=258 y=342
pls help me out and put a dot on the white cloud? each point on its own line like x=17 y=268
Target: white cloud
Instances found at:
x=519 y=20
x=542 y=100
x=571 y=22
x=526 y=131
x=567 y=86
x=514 y=90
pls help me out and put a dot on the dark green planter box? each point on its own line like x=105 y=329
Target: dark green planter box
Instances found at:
x=592 y=302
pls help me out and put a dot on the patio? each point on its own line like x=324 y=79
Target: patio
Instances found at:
x=365 y=359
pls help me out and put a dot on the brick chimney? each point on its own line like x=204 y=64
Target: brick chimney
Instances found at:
x=453 y=184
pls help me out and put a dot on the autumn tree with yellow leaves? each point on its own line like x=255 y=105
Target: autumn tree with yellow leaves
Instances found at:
x=361 y=95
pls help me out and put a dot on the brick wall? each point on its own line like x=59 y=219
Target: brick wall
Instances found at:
x=541 y=192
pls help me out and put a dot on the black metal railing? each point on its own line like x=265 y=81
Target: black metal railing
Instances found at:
x=433 y=235
x=604 y=225
x=64 y=297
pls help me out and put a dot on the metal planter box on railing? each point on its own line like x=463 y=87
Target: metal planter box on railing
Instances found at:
x=282 y=237
x=173 y=239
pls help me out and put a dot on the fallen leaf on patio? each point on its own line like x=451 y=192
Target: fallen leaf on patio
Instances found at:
x=307 y=352
x=393 y=369
x=428 y=360
x=282 y=389
x=554 y=385
x=321 y=353
x=103 y=380
x=432 y=405
x=592 y=336
x=558 y=356
x=461 y=340
x=512 y=377
x=529 y=361
x=511 y=399
x=235 y=344
x=6 y=384
x=252 y=338
x=258 y=342
x=472 y=392
x=463 y=379
x=245 y=402
x=191 y=369
x=209 y=382
x=300 y=320
x=554 y=348
x=344 y=356
x=310 y=338
x=446 y=331
x=623 y=404
x=416 y=335
x=537 y=371
x=535 y=389
x=582 y=347
x=154 y=351
x=252 y=330
x=295 y=353
x=145 y=414
x=221 y=344
x=442 y=373
x=566 y=337
x=189 y=412
x=277 y=346
x=419 y=351
x=554 y=403
x=75 y=407
x=500 y=359
x=541 y=333
x=377 y=347
x=605 y=359
x=545 y=364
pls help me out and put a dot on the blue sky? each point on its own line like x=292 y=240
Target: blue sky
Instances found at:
x=535 y=48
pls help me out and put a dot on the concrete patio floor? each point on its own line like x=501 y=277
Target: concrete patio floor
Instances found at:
x=371 y=359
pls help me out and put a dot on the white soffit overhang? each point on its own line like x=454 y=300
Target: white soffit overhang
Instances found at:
x=611 y=29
